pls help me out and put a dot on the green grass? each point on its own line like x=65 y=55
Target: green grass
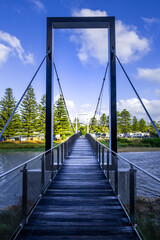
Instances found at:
x=9 y=221
x=138 y=142
x=148 y=217
x=23 y=146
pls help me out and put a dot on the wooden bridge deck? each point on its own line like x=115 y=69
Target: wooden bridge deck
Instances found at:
x=79 y=204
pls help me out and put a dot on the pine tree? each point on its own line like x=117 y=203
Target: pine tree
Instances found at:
x=104 y=123
x=93 y=124
x=42 y=115
x=103 y=120
x=125 y=121
x=7 y=105
x=142 y=125
x=119 y=130
x=61 y=121
x=135 y=126
x=29 y=113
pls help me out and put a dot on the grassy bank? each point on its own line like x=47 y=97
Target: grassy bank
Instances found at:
x=24 y=146
x=124 y=145
x=148 y=217
x=136 y=145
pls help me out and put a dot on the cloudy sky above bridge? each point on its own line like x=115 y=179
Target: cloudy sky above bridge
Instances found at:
x=81 y=55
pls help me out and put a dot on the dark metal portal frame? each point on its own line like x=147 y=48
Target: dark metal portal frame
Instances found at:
x=81 y=22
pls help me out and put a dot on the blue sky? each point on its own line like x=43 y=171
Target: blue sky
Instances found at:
x=81 y=56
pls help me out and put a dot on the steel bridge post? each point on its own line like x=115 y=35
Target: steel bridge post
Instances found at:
x=49 y=93
x=112 y=100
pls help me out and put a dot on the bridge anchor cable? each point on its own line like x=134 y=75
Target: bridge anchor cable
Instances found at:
x=54 y=65
x=149 y=116
x=9 y=119
x=100 y=95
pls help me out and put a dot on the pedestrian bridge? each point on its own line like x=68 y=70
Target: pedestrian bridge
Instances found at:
x=79 y=203
x=79 y=189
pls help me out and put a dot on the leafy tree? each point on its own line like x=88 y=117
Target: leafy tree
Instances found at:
x=119 y=122
x=107 y=121
x=29 y=113
x=125 y=121
x=135 y=126
x=93 y=123
x=7 y=105
x=151 y=129
x=42 y=114
x=142 y=125
x=103 y=120
x=61 y=121
x=83 y=130
x=104 y=123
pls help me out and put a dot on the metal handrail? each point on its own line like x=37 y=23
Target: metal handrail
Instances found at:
x=31 y=160
x=126 y=160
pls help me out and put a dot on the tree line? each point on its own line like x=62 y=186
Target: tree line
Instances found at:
x=29 y=119
x=125 y=124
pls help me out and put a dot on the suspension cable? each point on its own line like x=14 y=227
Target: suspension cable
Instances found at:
x=100 y=94
x=62 y=95
x=9 y=119
x=149 y=116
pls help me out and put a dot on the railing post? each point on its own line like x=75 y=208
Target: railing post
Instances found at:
x=97 y=150
x=65 y=150
x=52 y=163
x=99 y=153
x=132 y=194
x=57 y=157
x=116 y=173
x=24 y=194
x=108 y=164
x=103 y=158
x=42 y=173
x=61 y=153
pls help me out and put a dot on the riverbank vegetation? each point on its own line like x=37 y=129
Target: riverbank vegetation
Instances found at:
x=29 y=120
x=124 y=145
x=148 y=217
x=131 y=144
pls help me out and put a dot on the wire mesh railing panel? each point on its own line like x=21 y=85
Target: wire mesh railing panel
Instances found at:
x=48 y=168
x=147 y=206
x=10 y=203
x=34 y=182
x=23 y=185
x=137 y=189
x=124 y=183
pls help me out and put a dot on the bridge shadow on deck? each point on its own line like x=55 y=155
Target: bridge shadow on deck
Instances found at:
x=79 y=203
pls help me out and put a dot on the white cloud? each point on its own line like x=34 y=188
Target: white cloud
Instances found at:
x=70 y=104
x=150 y=74
x=150 y=21
x=38 y=5
x=135 y=108
x=93 y=42
x=13 y=44
x=4 y=53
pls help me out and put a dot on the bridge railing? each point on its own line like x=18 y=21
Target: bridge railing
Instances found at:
x=23 y=186
x=137 y=189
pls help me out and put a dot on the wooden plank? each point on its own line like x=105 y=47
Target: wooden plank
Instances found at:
x=79 y=204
